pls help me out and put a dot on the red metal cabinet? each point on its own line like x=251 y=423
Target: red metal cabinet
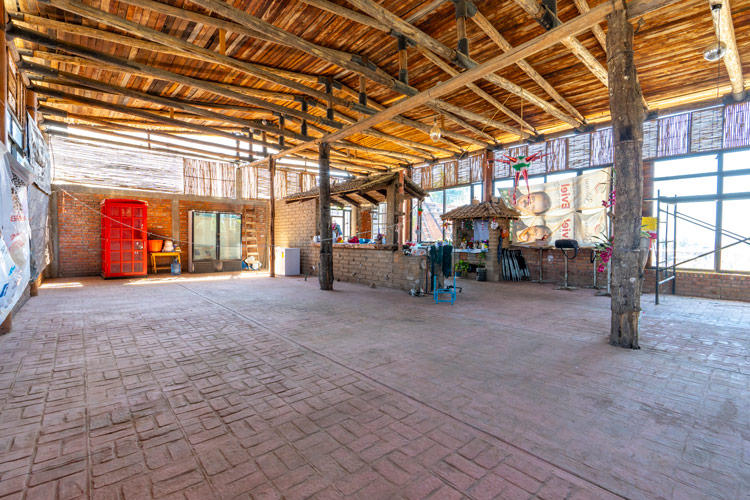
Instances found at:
x=123 y=238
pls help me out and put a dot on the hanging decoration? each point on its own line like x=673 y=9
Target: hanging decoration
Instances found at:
x=520 y=165
x=494 y=224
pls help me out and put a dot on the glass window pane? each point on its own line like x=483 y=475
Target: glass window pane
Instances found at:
x=693 y=240
x=686 y=166
x=737 y=160
x=737 y=184
x=230 y=236
x=735 y=220
x=204 y=236
x=686 y=187
x=455 y=198
x=504 y=184
x=561 y=176
x=431 y=223
x=478 y=192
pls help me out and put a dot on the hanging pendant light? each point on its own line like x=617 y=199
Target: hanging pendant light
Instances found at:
x=435 y=132
x=715 y=51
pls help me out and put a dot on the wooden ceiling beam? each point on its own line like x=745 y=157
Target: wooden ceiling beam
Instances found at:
x=67 y=126
x=548 y=39
x=438 y=48
x=424 y=10
x=153 y=99
x=364 y=149
x=342 y=59
x=724 y=28
x=109 y=124
x=601 y=37
x=161 y=74
x=487 y=97
x=129 y=41
x=207 y=155
x=175 y=43
x=88 y=101
x=208 y=55
x=83 y=62
x=485 y=25
x=538 y=13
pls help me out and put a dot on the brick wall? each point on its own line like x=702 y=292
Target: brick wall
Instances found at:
x=79 y=227
x=382 y=268
x=295 y=226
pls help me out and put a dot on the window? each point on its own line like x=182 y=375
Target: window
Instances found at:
x=736 y=228
x=477 y=192
x=343 y=217
x=432 y=208
x=715 y=190
x=503 y=184
x=379 y=218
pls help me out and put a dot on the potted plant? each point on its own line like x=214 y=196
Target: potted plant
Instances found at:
x=462 y=267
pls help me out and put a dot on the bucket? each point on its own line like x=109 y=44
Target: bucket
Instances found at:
x=155 y=245
x=482 y=274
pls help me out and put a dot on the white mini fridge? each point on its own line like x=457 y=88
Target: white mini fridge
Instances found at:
x=287 y=261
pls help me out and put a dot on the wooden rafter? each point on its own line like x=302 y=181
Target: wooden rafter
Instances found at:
x=601 y=37
x=485 y=25
x=548 y=39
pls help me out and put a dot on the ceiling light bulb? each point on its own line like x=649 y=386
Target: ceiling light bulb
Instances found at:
x=435 y=133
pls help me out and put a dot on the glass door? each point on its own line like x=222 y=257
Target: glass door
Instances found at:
x=230 y=236
x=204 y=236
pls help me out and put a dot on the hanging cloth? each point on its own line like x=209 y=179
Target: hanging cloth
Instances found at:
x=447 y=261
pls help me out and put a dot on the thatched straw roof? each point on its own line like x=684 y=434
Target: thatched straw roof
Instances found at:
x=486 y=210
x=370 y=189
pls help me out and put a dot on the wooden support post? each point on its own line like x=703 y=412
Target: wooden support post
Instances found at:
x=282 y=122
x=325 y=271
x=329 y=104
x=362 y=91
x=403 y=61
x=271 y=217
x=238 y=182
x=303 y=127
x=391 y=218
x=488 y=173
x=462 y=12
x=31 y=104
x=401 y=210
x=250 y=156
x=627 y=131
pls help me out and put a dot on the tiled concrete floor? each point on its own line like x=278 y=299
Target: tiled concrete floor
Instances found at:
x=229 y=387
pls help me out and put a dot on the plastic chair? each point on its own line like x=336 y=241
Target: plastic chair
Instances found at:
x=451 y=291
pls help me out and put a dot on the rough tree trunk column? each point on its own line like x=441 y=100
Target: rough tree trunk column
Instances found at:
x=625 y=101
x=325 y=276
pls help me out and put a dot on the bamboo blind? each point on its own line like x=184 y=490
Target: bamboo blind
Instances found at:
x=601 y=147
x=737 y=125
x=674 y=135
x=650 y=139
x=207 y=178
x=706 y=130
x=80 y=162
x=538 y=166
x=557 y=154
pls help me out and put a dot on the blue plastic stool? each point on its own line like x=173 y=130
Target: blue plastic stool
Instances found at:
x=444 y=291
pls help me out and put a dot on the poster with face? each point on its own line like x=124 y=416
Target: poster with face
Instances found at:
x=583 y=192
x=568 y=209
x=544 y=230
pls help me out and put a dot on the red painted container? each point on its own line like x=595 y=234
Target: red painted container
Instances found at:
x=124 y=238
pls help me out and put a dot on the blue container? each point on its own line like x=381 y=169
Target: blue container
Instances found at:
x=176 y=268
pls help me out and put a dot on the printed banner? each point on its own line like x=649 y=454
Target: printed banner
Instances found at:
x=15 y=247
x=39 y=156
x=570 y=209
